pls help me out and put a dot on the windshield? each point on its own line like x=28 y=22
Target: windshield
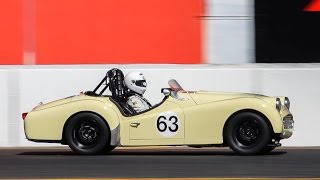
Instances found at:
x=174 y=85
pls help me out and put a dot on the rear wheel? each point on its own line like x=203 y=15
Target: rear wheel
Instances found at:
x=88 y=134
x=247 y=134
x=108 y=148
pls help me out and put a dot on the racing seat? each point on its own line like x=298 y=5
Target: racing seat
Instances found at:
x=119 y=93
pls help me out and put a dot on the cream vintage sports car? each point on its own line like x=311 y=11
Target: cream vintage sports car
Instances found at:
x=94 y=123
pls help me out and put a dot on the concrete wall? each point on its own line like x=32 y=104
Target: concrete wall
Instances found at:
x=23 y=87
x=4 y=108
x=229 y=31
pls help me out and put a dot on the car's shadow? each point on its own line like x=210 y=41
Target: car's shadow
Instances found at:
x=149 y=152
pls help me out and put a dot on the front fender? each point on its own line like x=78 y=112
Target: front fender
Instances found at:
x=205 y=122
x=266 y=108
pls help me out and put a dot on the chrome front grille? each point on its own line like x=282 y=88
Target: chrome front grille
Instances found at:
x=288 y=122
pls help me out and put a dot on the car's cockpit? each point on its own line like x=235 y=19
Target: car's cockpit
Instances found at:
x=114 y=82
x=119 y=92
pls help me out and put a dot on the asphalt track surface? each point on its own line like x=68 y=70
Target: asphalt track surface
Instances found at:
x=162 y=162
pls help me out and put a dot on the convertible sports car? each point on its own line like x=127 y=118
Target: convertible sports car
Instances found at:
x=94 y=123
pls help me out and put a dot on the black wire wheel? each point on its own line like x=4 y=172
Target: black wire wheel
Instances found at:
x=88 y=134
x=247 y=134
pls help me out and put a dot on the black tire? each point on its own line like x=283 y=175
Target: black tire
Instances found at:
x=268 y=149
x=109 y=148
x=87 y=133
x=247 y=134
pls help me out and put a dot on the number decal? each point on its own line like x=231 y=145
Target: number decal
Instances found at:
x=168 y=124
x=174 y=124
x=161 y=124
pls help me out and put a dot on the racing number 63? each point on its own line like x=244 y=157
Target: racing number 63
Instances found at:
x=162 y=124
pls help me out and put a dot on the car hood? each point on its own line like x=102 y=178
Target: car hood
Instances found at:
x=201 y=97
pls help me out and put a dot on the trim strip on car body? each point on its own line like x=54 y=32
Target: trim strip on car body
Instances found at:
x=114 y=139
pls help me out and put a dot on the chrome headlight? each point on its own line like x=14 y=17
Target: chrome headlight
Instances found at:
x=278 y=104
x=287 y=102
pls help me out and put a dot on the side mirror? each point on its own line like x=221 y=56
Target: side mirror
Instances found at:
x=165 y=91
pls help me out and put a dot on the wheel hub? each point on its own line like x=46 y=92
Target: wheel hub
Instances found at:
x=87 y=133
x=248 y=133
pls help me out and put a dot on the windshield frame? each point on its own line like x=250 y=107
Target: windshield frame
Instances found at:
x=174 y=85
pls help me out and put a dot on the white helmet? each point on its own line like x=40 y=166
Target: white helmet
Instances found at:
x=136 y=82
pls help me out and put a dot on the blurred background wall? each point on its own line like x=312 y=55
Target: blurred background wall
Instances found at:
x=287 y=31
x=101 y=31
x=11 y=32
x=123 y=31
x=228 y=32
x=159 y=31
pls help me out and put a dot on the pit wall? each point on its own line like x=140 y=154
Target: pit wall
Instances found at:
x=23 y=87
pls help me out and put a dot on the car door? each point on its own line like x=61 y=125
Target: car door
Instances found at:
x=163 y=125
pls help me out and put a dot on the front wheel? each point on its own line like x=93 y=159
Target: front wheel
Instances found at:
x=87 y=134
x=268 y=149
x=247 y=134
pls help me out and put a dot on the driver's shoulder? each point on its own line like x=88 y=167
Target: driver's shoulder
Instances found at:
x=135 y=97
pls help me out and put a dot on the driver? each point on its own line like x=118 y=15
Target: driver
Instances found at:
x=137 y=85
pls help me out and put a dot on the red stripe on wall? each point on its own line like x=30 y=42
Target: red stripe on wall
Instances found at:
x=118 y=31
x=11 y=46
x=314 y=5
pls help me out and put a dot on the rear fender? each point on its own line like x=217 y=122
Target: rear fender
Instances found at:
x=49 y=123
x=108 y=114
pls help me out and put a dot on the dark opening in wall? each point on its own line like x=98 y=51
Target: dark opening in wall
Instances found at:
x=286 y=32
